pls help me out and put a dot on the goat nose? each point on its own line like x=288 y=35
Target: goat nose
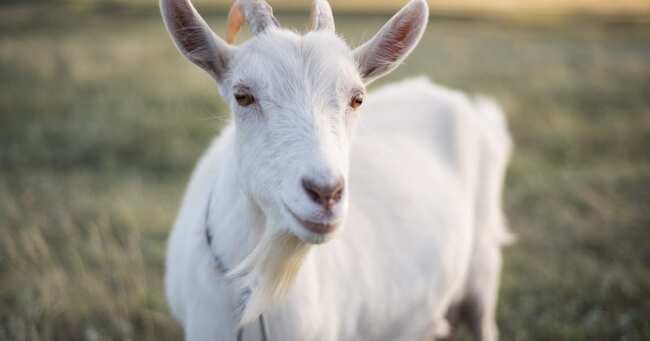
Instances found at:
x=322 y=194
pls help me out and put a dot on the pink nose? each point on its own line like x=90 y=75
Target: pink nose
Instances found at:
x=326 y=195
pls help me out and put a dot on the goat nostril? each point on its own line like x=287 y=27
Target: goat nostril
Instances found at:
x=311 y=190
x=338 y=194
x=326 y=196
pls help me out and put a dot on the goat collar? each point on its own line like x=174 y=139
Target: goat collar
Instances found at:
x=223 y=269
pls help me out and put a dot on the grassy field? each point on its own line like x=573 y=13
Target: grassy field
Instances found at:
x=101 y=122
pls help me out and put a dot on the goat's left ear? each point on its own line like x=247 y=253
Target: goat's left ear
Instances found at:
x=392 y=44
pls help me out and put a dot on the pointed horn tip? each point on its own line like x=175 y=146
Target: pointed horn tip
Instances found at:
x=321 y=10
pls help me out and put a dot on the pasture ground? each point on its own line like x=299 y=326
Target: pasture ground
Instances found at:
x=101 y=122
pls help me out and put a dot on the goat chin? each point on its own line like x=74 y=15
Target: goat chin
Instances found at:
x=267 y=272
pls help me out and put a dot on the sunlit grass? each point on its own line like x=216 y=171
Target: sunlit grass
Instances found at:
x=101 y=122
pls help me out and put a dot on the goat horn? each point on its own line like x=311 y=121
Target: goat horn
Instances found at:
x=235 y=21
x=257 y=13
x=322 y=17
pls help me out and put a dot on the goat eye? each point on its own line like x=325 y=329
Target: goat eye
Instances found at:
x=244 y=99
x=356 y=101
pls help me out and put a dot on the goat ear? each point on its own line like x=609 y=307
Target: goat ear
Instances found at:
x=393 y=43
x=195 y=39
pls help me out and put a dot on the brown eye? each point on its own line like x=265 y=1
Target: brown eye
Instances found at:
x=356 y=101
x=244 y=99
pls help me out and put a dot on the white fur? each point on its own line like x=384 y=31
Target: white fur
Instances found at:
x=421 y=225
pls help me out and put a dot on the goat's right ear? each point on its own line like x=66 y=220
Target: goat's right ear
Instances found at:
x=195 y=39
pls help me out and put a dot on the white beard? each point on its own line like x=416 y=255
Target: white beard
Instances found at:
x=267 y=272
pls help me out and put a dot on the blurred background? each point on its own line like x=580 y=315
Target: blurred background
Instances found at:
x=102 y=121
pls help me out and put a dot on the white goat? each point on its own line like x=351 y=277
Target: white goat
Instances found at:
x=408 y=232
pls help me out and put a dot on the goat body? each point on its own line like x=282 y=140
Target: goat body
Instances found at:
x=423 y=233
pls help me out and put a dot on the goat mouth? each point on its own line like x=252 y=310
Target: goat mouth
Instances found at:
x=317 y=228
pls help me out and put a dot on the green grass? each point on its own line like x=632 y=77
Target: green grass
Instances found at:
x=101 y=122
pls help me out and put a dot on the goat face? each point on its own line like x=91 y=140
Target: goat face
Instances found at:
x=294 y=100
